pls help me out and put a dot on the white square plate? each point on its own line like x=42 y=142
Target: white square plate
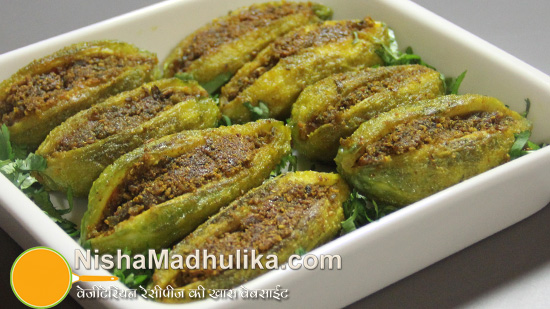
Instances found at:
x=382 y=252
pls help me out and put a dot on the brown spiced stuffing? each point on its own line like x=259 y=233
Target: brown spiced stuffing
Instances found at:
x=378 y=81
x=114 y=119
x=413 y=135
x=291 y=44
x=271 y=216
x=228 y=29
x=41 y=91
x=146 y=186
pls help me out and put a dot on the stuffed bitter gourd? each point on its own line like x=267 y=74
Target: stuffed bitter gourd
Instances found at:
x=335 y=107
x=413 y=151
x=160 y=192
x=298 y=59
x=228 y=42
x=300 y=210
x=79 y=149
x=49 y=90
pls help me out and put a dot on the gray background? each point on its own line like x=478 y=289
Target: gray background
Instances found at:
x=508 y=270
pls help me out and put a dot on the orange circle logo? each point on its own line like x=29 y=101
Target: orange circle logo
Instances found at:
x=41 y=277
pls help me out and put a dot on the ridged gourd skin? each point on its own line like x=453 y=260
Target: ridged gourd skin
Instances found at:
x=160 y=192
x=298 y=59
x=335 y=107
x=300 y=210
x=414 y=151
x=227 y=43
x=79 y=149
x=49 y=90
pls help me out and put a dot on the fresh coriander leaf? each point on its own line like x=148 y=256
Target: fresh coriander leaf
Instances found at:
x=392 y=56
x=216 y=98
x=348 y=225
x=452 y=85
x=141 y=279
x=447 y=83
x=258 y=112
x=522 y=145
x=292 y=163
x=217 y=82
x=225 y=121
x=527 y=108
x=18 y=177
x=300 y=251
x=388 y=58
x=351 y=212
x=361 y=205
x=408 y=59
x=5 y=163
x=25 y=181
x=7 y=167
x=19 y=152
x=18 y=168
x=322 y=11
x=33 y=162
x=130 y=277
x=70 y=228
x=393 y=41
x=444 y=81
x=517 y=148
x=42 y=199
x=359 y=211
x=211 y=86
x=70 y=200
x=288 y=163
x=532 y=146
x=129 y=280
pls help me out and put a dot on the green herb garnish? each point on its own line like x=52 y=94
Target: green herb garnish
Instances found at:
x=288 y=163
x=18 y=171
x=212 y=86
x=225 y=121
x=359 y=211
x=258 y=112
x=70 y=200
x=391 y=55
x=452 y=85
x=527 y=108
x=130 y=277
x=322 y=11
x=300 y=251
x=217 y=82
x=522 y=145
x=216 y=98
